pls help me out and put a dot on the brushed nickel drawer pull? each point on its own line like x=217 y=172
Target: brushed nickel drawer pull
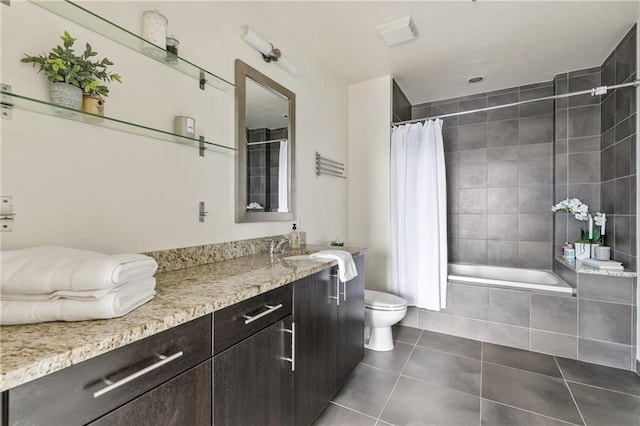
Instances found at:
x=113 y=385
x=271 y=308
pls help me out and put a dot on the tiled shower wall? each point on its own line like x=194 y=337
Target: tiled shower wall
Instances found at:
x=577 y=150
x=499 y=177
x=595 y=150
x=263 y=160
x=618 y=154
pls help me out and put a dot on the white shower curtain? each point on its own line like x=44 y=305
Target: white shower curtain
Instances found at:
x=419 y=215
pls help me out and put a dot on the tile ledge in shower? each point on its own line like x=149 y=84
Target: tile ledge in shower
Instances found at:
x=576 y=266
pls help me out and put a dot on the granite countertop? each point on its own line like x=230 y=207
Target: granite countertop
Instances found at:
x=32 y=351
x=577 y=266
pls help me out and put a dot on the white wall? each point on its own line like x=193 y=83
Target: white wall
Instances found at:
x=88 y=187
x=369 y=136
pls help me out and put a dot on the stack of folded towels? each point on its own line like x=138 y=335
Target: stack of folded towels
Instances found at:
x=50 y=283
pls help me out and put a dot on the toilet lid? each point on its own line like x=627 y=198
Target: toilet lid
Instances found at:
x=383 y=301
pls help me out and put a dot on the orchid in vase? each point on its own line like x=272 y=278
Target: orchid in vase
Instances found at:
x=595 y=228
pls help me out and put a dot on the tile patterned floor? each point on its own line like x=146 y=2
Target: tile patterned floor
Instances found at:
x=437 y=379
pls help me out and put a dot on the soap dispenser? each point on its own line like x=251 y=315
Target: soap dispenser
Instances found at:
x=294 y=238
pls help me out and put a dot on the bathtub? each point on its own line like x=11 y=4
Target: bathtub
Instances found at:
x=497 y=276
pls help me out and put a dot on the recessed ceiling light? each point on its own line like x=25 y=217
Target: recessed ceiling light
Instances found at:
x=476 y=79
x=397 y=32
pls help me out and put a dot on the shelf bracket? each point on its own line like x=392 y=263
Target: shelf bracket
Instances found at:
x=201 y=150
x=6 y=102
x=6 y=214
x=201 y=212
x=203 y=80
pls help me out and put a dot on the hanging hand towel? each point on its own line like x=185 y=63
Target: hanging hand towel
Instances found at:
x=118 y=302
x=346 y=267
x=46 y=269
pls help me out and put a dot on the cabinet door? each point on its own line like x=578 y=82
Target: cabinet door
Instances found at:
x=183 y=400
x=350 y=349
x=315 y=316
x=253 y=381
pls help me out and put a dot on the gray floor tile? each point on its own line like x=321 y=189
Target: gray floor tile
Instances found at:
x=603 y=407
x=448 y=370
x=390 y=360
x=367 y=390
x=601 y=376
x=334 y=415
x=494 y=414
x=530 y=391
x=452 y=344
x=518 y=358
x=405 y=334
x=419 y=403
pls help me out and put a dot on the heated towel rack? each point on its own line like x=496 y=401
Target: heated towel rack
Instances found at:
x=325 y=166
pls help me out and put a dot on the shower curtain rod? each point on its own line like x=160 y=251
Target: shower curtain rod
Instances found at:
x=601 y=90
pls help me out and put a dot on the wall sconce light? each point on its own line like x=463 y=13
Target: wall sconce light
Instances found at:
x=268 y=51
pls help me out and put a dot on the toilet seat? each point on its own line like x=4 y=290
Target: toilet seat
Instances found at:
x=379 y=301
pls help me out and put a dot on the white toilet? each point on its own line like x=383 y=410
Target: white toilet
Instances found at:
x=381 y=311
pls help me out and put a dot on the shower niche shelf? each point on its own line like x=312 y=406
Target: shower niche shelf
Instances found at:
x=25 y=103
x=113 y=31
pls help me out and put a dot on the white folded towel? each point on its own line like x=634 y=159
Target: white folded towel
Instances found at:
x=346 y=267
x=46 y=269
x=116 y=303
x=86 y=295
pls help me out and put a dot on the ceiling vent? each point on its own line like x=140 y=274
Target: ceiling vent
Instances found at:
x=398 y=31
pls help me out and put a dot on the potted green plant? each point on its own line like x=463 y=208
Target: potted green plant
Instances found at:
x=71 y=76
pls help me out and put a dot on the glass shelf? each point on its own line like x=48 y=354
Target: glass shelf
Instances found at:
x=35 y=105
x=100 y=25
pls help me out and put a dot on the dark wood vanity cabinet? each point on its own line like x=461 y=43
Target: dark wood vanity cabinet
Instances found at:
x=315 y=316
x=350 y=336
x=329 y=318
x=254 y=361
x=275 y=359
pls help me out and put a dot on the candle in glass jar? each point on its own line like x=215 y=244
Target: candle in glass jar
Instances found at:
x=172 y=49
x=154 y=30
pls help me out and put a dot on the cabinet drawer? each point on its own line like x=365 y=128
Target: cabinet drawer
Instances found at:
x=68 y=396
x=183 y=400
x=239 y=321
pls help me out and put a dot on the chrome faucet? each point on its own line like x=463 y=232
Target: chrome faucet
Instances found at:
x=279 y=247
